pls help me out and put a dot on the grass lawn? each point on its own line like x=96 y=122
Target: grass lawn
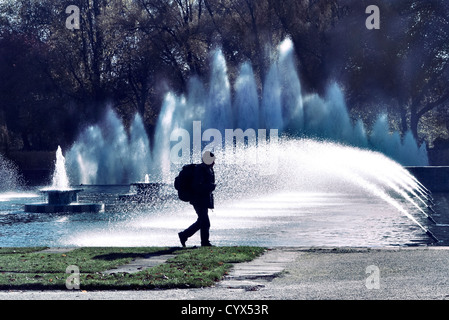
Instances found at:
x=29 y=268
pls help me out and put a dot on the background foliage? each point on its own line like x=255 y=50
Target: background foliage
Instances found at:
x=128 y=53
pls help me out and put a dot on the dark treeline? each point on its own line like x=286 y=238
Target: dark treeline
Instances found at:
x=128 y=53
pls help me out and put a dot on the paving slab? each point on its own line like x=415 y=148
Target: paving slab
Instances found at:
x=255 y=274
x=57 y=250
x=139 y=264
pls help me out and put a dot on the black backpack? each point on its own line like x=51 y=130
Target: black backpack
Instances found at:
x=183 y=182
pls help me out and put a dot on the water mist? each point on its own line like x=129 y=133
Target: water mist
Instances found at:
x=326 y=151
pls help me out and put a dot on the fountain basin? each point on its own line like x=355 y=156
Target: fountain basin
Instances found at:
x=69 y=208
x=145 y=187
x=61 y=196
x=63 y=201
x=145 y=191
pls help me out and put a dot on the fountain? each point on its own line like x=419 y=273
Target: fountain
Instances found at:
x=320 y=146
x=106 y=154
x=147 y=191
x=60 y=197
x=298 y=192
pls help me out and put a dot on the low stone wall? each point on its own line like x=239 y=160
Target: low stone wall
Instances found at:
x=434 y=178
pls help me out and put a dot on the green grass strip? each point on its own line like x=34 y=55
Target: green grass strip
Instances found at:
x=28 y=268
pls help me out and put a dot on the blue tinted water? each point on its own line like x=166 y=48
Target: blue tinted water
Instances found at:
x=282 y=219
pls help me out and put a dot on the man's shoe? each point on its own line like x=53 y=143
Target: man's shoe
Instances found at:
x=207 y=244
x=182 y=240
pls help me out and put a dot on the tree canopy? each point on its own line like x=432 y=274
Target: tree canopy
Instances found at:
x=128 y=53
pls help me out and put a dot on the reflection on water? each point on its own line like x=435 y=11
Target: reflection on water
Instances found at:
x=7 y=196
x=282 y=219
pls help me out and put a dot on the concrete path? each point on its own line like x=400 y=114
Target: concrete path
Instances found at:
x=255 y=274
x=57 y=250
x=305 y=273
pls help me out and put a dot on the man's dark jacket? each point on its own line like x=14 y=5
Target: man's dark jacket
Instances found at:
x=203 y=185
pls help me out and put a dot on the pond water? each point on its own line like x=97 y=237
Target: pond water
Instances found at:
x=278 y=219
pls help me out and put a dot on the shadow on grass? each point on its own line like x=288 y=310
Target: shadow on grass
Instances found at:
x=122 y=255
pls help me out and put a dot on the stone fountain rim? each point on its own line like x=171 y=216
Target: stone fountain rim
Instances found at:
x=46 y=190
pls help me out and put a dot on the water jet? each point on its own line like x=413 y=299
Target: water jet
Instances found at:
x=60 y=197
x=430 y=234
x=326 y=151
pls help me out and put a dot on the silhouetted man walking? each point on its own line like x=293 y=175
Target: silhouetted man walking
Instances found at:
x=202 y=200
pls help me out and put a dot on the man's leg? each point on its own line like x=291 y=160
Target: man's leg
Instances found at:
x=204 y=223
x=190 y=231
